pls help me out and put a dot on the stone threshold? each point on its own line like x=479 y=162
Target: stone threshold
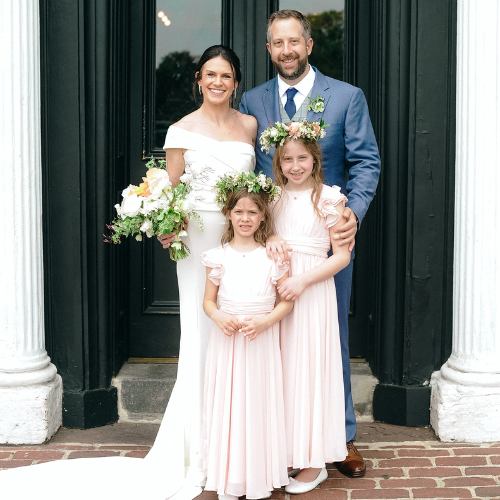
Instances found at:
x=144 y=388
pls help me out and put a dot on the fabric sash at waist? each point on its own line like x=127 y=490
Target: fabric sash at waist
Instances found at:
x=312 y=246
x=260 y=305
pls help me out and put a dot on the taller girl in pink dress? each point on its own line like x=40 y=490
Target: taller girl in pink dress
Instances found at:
x=310 y=344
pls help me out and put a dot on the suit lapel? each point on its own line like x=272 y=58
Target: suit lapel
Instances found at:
x=271 y=103
x=320 y=86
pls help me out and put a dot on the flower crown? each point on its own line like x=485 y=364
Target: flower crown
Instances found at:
x=276 y=134
x=254 y=183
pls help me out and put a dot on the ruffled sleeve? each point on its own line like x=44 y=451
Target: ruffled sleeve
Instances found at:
x=212 y=259
x=279 y=270
x=330 y=198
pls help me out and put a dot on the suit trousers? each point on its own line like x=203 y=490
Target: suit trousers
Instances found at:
x=343 y=282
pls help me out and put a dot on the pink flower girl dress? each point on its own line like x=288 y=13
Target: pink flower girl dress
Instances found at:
x=310 y=341
x=243 y=436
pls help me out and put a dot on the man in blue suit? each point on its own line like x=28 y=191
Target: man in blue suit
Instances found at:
x=350 y=156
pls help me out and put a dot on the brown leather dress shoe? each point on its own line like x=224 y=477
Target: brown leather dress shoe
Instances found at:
x=353 y=465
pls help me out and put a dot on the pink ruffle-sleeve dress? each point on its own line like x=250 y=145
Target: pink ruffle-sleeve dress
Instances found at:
x=310 y=342
x=243 y=435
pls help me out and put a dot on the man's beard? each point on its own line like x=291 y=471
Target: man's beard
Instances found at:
x=301 y=68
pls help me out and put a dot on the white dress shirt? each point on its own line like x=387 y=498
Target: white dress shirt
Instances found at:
x=303 y=88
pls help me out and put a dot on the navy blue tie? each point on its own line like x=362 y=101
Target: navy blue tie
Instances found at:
x=290 y=104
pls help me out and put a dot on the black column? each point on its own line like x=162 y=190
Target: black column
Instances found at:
x=244 y=30
x=81 y=158
x=403 y=55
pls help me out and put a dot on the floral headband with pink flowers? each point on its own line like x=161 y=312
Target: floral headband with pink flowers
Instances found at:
x=276 y=134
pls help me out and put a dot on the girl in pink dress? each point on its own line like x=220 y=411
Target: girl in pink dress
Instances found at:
x=243 y=432
x=305 y=216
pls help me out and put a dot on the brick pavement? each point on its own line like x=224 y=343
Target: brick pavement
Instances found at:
x=403 y=469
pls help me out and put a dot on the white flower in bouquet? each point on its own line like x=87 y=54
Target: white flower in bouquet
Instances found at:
x=185 y=205
x=147 y=228
x=163 y=203
x=149 y=206
x=128 y=191
x=159 y=185
x=155 y=173
x=131 y=205
x=118 y=210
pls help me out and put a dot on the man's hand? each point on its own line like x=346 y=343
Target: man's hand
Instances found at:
x=346 y=232
x=277 y=248
x=252 y=326
x=292 y=287
x=167 y=239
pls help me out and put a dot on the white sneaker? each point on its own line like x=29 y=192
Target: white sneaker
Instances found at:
x=227 y=497
x=295 y=487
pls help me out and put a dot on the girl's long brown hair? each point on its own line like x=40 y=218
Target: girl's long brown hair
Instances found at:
x=317 y=172
x=261 y=199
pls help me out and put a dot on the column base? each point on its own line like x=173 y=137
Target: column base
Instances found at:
x=87 y=409
x=401 y=405
x=30 y=414
x=464 y=413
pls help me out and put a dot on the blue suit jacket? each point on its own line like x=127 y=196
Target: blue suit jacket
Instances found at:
x=350 y=153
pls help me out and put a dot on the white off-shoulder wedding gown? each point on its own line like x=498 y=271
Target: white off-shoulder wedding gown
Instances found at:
x=172 y=469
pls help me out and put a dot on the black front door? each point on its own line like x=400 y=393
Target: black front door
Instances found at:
x=166 y=41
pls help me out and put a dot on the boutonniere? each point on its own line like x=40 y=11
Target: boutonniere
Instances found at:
x=317 y=105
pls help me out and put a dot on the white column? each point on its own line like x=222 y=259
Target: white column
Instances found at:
x=465 y=403
x=30 y=389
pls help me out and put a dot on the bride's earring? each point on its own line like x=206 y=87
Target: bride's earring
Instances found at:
x=199 y=88
x=235 y=94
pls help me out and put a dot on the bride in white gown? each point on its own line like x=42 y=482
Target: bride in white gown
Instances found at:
x=212 y=141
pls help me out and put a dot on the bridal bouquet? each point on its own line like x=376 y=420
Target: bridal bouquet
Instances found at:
x=155 y=208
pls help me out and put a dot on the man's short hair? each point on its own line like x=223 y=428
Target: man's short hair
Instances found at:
x=289 y=14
